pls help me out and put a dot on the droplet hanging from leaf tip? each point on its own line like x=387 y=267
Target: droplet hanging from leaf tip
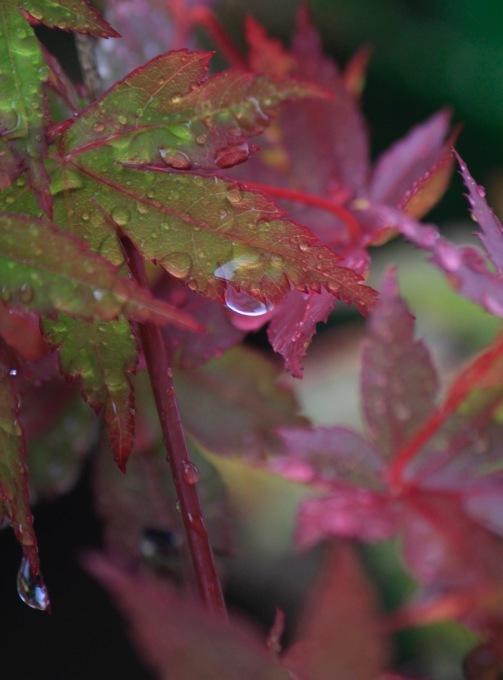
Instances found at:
x=31 y=588
x=242 y=303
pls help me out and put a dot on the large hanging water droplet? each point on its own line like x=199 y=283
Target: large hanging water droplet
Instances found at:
x=32 y=589
x=242 y=303
x=234 y=195
x=190 y=474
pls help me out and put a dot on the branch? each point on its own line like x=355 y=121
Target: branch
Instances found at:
x=182 y=468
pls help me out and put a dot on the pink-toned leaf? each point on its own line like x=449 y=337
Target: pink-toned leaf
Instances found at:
x=340 y=637
x=330 y=454
x=465 y=267
x=347 y=512
x=266 y=54
x=45 y=270
x=408 y=160
x=492 y=230
x=395 y=401
x=177 y=638
x=74 y=15
x=294 y=325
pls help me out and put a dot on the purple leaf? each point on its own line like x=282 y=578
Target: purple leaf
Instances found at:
x=395 y=401
x=408 y=159
x=492 y=230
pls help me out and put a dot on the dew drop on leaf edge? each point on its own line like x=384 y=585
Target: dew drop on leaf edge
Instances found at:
x=32 y=589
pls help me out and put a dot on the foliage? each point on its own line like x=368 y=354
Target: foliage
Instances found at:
x=161 y=170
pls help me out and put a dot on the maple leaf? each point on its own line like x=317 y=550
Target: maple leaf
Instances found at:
x=316 y=161
x=191 y=645
x=467 y=269
x=426 y=471
x=73 y=15
x=340 y=614
x=14 y=485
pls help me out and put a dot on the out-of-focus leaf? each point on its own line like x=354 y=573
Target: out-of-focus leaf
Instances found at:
x=492 y=230
x=74 y=15
x=57 y=453
x=189 y=645
x=21 y=331
x=395 y=401
x=43 y=269
x=103 y=356
x=340 y=637
x=408 y=160
x=13 y=471
x=465 y=267
x=190 y=350
x=233 y=403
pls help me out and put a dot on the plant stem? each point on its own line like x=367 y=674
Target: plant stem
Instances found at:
x=161 y=376
x=345 y=215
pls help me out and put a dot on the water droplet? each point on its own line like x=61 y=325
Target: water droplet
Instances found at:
x=98 y=127
x=120 y=216
x=196 y=524
x=227 y=156
x=201 y=139
x=242 y=303
x=234 y=195
x=178 y=264
x=98 y=294
x=190 y=474
x=26 y=293
x=9 y=121
x=13 y=372
x=178 y=506
x=175 y=159
x=150 y=194
x=122 y=119
x=142 y=208
x=21 y=181
x=159 y=544
x=481 y=191
x=32 y=589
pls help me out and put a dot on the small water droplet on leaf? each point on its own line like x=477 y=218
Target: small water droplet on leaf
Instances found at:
x=179 y=264
x=175 y=159
x=120 y=216
x=31 y=588
x=234 y=195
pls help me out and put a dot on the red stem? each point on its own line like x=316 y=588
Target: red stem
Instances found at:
x=204 y=17
x=466 y=382
x=316 y=201
x=158 y=363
